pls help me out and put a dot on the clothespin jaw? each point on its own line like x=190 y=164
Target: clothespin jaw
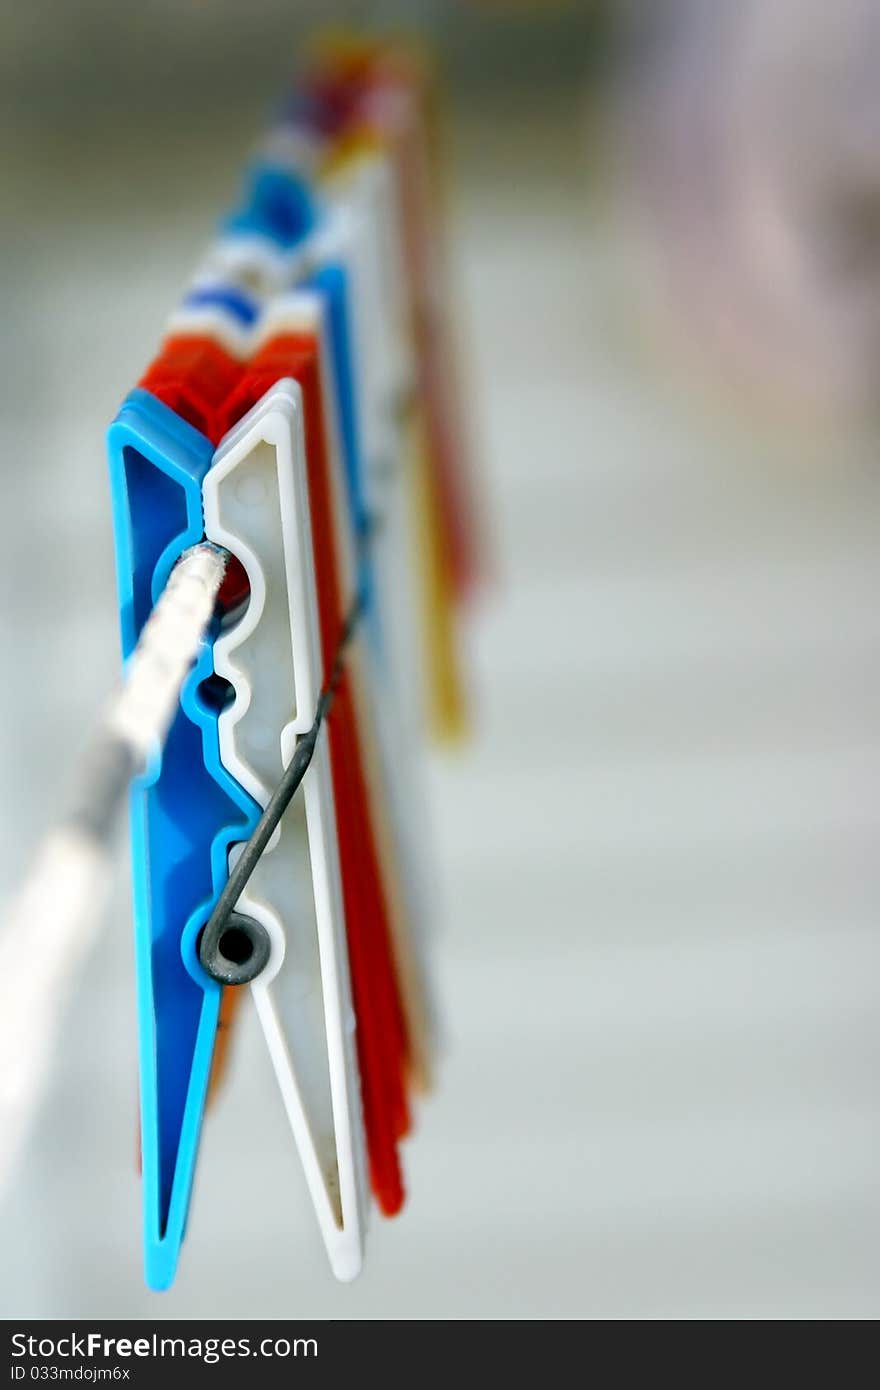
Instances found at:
x=186 y=811
x=257 y=506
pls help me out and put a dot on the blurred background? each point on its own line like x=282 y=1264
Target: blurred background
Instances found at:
x=658 y=859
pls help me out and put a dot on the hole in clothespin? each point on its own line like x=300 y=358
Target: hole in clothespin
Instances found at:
x=215 y=693
x=234 y=595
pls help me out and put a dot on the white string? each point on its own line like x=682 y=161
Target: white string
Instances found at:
x=48 y=928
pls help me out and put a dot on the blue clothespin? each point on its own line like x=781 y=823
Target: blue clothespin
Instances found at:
x=186 y=811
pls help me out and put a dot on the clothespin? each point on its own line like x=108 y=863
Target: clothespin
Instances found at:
x=382 y=99
x=257 y=504
x=186 y=811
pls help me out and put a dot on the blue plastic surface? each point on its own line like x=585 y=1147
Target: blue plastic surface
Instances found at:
x=332 y=281
x=186 y=811
x=228 y=298
x=277 y=204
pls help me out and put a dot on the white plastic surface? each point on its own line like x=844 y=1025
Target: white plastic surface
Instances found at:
x=294 y=148
x=256 y=504
x=302 y=311
x=249 y=262
x=348 y=237
x=364 y=186
x=211 y=322
x=363 y=232
x=385 y=687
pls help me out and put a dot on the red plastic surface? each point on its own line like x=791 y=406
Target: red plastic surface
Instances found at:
x=193 y=375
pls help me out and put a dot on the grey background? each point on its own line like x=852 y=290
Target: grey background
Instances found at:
x=657 y=862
